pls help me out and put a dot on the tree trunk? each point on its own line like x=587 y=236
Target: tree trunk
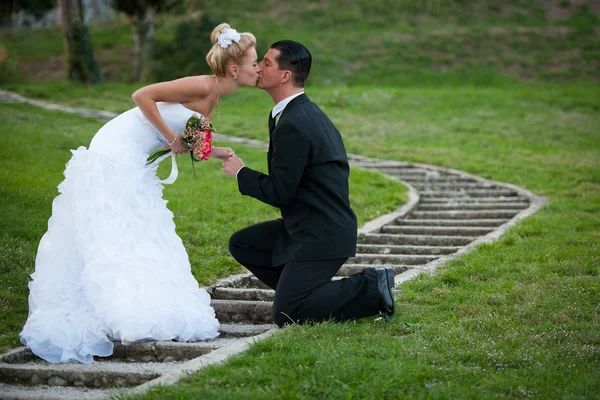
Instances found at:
x=10 y=22
x=135 y=32
x=142 y=29
x=6 y=14
x=147 y=36
x=80 y=59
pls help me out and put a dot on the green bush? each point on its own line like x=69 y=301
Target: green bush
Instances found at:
x=8 y=66
x=584 y=20
x=185 y=54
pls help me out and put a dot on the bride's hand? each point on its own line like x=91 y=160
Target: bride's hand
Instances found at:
x=222 y=153
x=178 y=147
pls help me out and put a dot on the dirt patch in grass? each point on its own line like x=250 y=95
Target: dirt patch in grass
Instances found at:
x=51 y=68
x=560 y=10
x=115 y=65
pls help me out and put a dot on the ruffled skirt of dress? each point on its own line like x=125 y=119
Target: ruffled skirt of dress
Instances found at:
x=111 y=266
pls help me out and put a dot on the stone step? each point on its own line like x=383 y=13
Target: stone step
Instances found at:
x=446 y=180
x=246 y=282
x=376 y=164
x=393 y=167
x=427 y=185
x=163 y=351
x=44 y=392
x=421 y=240
x=391 y=249
x=393 y=259
x=358 y=268
x=470 y=214
x=240 y=311
x=407 y=170
x=145 y=352
x=467 y=193
x=451 y=222
x=415 y=174
x=96 y=375
x=357 y=264
x=365 y=260
x=438 y=230
x=252 y=282
x=225 y=293
x=485 y=206
x=243 y=330
x=475 y=200
x=249 y=288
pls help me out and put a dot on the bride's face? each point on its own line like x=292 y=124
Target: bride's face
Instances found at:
x=248 y=68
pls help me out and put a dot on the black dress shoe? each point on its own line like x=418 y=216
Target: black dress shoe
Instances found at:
x=385 y=284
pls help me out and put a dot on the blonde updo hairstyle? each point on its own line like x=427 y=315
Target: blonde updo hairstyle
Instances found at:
x=219 y=58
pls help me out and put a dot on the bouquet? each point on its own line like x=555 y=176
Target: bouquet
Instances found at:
x=197 y=137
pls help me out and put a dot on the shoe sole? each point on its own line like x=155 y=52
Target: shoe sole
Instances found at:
x=390 y=285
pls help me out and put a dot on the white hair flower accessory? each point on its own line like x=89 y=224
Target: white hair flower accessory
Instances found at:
x=226 y=38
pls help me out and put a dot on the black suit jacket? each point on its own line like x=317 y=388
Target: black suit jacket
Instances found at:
x=308 y=182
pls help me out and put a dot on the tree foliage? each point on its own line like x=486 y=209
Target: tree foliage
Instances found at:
x=185 y=54
x=141 y=14
x=35 y=7
x=78 y=48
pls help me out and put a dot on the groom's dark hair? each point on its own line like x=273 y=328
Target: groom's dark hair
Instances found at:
x=294 y=57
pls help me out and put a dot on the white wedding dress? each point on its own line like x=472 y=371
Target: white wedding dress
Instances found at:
x=111 y=266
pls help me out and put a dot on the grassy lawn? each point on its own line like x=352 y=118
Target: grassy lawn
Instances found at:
x=207 y=210
x=529 y=134
x=519 y=318
x=365 y=41
x=505 y=90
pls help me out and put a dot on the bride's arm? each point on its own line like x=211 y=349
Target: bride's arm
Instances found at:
x=182 y=90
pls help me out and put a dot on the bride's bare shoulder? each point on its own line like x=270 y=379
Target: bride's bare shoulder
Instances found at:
x=201 y=85
x=199 y=79
x=182 y=90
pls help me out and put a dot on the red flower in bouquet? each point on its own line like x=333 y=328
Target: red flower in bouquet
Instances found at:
x=197 y=137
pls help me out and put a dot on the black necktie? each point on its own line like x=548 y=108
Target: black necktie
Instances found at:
x=271 y=122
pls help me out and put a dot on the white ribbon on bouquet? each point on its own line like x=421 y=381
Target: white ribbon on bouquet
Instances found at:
x=174 y=171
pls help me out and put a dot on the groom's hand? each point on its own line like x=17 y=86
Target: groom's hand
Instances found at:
x=232 y=165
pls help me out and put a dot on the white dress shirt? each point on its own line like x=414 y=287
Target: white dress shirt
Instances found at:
x=277 y=110
x=279 y=107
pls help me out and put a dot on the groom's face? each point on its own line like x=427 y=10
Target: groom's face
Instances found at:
x=270 y=75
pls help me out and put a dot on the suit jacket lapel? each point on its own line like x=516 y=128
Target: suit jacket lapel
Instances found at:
x=289 y=108
x=303 y=98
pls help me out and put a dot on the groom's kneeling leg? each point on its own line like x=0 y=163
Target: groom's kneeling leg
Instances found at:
x=306 y=293
x=298 y=282
x=253 y=248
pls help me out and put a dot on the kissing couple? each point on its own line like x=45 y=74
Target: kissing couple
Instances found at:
x=111 y=266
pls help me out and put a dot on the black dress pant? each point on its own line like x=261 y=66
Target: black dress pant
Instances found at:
x=304 y=290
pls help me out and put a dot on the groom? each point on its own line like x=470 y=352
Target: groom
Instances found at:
x=298 y=254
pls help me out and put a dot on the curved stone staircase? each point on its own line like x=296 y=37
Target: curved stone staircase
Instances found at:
x=448 y=213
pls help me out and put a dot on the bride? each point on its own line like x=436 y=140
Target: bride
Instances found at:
x=111 y=267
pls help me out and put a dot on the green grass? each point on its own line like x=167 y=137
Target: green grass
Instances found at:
x=450 y=83
x=519 y=318
x=115 y=97
x=389 y=42
x=527 y=134
x=207 y=209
